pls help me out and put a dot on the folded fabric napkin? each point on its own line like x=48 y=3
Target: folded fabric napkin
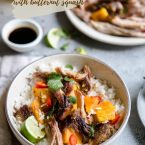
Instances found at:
x=9 y=66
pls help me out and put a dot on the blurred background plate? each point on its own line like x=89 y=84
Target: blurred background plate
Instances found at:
x=94 y=34
x=141 y=105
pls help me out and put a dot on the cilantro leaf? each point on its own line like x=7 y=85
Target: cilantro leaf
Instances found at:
x=68 y=79
x=64 y=46
x=54 y=81
x=92 y=131
x=54 y=85
x=72 y=99
x=55 y=75
x=54 y=108
x=69 y=66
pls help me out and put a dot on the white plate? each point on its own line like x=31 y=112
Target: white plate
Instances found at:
x=94 y=34
x=141 y=105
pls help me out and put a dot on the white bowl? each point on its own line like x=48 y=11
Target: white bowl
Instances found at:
x=96 y=35
x=17 y=23
x=99 y=68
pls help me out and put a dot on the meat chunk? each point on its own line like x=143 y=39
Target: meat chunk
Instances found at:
x=65 y=123
x=68 y=87
x=102 y=133
x=136 y=7
x=87 y=71
x=127 y=23
x=53 y=132
x=115 y=6
x=41 y=75
x=82 y=14
x=85 y=84
x=64 y=106
x=71 y=74
x=80 y=126
x=23 y=113
x=80 y=103
x=115 y=30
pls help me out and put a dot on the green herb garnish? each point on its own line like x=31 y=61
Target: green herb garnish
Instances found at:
x=71 y=33
x=54 y=81
x=64 y=46
x=55 y=75
x=69 y=66
x=125 y=10
x=92 y=131
x=68 y=79
x=52 y=110
x=66 y=32
x=55 y=85
x=72 y=99
x=81 y=50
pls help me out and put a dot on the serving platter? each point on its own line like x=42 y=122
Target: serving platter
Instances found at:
x=94 y=34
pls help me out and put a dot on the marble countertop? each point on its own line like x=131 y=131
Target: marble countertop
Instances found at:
x=129 y=62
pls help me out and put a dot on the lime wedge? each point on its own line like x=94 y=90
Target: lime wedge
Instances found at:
x=81 y=50
x=53 y=37
x=31 y=130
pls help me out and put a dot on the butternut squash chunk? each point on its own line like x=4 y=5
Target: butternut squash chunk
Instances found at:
x=105 y=111
x=67 y=132
x=91 y=103
x=100 y=15
x=41 y=93
x=35 y=106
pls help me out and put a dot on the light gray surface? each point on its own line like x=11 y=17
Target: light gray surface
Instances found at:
x=128 y=61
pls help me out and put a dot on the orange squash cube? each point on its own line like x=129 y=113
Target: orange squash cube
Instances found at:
x=100 y=15
x=105 y=111
x=91 y=102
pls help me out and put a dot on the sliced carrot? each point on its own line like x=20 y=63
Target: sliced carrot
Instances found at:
x=73 y=140
x=41 y=85
x=116 y=120
x=49 y=102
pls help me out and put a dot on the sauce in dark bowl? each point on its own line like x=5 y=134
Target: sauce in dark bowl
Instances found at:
x=22 y=35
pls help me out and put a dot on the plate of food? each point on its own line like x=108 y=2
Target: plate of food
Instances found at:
x=114 y=22
x=67 y=99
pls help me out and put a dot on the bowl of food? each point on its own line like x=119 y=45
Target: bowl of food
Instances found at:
x=67 y=99
x=113 y=22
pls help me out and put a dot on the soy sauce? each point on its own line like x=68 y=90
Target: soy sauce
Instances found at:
x=22 y=35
